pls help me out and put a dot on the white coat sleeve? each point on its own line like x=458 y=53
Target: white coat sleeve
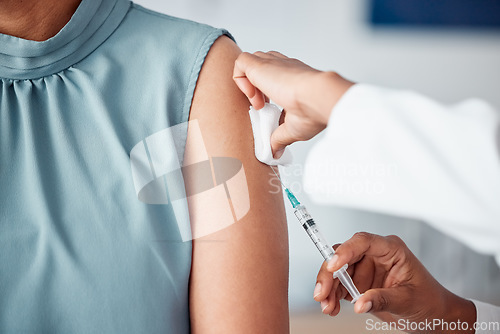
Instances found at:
x=488 y=318
x=401 y=153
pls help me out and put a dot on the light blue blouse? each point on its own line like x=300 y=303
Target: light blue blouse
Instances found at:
x=79 y=253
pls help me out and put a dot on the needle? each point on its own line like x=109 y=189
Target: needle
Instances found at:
x=279 y=178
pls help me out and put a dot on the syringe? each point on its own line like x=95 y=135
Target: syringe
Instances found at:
x=326 y=251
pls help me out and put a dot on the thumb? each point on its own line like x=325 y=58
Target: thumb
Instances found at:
x=280 y=139
x=384 y=300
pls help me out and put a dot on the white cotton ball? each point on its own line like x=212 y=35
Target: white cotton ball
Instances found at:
x=264 y=122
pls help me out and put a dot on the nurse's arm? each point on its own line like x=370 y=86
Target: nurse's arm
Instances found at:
x=239 y=277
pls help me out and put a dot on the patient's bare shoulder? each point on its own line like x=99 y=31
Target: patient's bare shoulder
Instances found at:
x=218 y=105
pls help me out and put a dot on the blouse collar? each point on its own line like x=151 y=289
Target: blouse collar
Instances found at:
x=91 y=24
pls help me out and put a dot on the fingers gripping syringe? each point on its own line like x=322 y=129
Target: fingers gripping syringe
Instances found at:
x=326 y=251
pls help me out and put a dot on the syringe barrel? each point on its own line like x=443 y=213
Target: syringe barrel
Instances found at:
x=325 y=249
x=312 y=230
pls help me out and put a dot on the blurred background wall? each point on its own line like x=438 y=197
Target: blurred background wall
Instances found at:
x=448 y=64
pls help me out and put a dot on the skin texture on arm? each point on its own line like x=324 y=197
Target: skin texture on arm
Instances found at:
x=239 y=277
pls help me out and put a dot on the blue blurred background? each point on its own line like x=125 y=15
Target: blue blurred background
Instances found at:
x=445 y=53
x=436 y=13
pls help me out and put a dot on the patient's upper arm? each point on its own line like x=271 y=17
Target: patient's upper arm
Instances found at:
x=239 y=279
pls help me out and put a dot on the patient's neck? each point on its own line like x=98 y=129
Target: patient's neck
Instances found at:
x=36 y=20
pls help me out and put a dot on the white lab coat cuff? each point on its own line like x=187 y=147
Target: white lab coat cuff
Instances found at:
x=488 y=318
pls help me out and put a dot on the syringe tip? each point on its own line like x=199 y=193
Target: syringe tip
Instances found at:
x=291 y=197
x=295 y=202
